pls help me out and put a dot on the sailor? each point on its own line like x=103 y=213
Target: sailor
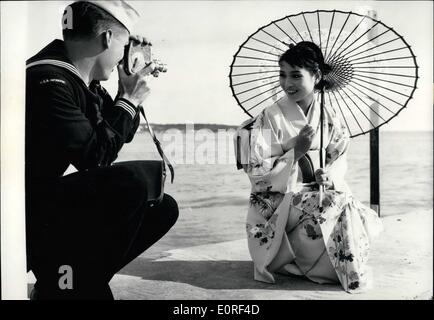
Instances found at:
x=93 y=222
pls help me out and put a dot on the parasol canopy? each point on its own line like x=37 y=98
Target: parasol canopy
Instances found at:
x=374 y=70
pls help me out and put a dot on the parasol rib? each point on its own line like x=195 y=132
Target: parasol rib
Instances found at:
x=250 y=81
x=377 y=85
x=357 y=106
x=370 y=48
x=352 y=43
x=340 y=109
x=374 y=47
x=380 y=60
x=328 y=37
x=360 y=22
x=273 y=37
x=250 y=73
x=339 y=34
x=381 y=95
x=383 y=80
x=260 y=94
x=384 y=73
x=262 y=51
x=376 y=54
x=284 y=32
x=343 y=116
x=319 y=30
x=339 y=78
x=345 y=74
x=371 y=98
x=267 y=44
x=295 y=29
x=363 y=101
x=260 y=86
x=351 y=111
x=254 y=66
x=264 y=100
x=341 y=69
x=385 y=67
x=307 y=26
x=256 y=58
x=336 y=60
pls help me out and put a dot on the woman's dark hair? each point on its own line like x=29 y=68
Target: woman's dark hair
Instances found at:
x=88 y=21
x=308 y=55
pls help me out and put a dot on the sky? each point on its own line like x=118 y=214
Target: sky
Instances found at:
x=197 y=41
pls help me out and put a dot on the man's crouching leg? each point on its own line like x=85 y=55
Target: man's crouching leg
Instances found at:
x=156 y=221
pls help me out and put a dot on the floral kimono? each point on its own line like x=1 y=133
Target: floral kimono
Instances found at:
x=288 y=231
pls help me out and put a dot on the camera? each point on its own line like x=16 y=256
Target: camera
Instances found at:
x=138 y=56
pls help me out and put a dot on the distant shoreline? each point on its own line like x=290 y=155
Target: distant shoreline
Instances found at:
x=214 y=127
x=182 y=126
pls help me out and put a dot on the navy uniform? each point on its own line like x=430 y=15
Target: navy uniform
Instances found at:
x=71 y=123
x=95 y=220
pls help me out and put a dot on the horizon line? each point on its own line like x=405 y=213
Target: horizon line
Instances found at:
x=237 y=125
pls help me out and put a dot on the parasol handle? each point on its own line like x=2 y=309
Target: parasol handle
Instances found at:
x=321 y=195
x=321 y=150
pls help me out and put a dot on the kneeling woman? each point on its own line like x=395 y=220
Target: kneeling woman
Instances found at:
x=288 y=231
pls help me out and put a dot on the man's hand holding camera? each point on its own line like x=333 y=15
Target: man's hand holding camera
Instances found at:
x=132 y=84
x=134 y=88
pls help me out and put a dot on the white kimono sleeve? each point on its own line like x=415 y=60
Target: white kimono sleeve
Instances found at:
x=270 y=168
x=336 y=154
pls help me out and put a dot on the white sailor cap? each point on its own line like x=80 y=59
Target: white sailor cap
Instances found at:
x=121 y=11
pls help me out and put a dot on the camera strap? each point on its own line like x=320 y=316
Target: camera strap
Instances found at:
x=158 y=145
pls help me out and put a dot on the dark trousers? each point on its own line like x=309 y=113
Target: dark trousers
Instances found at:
x=92 y=223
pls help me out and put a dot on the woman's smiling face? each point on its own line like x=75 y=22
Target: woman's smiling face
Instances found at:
x=298 y=83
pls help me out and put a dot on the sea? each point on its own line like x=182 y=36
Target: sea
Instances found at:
x=213 y=195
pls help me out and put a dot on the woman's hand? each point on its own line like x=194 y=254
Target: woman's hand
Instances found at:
x=323 y=178
x=304 y=141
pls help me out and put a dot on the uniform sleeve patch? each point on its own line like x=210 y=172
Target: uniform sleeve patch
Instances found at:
x=45 y=81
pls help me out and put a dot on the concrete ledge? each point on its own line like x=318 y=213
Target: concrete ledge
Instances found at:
x=401 y=261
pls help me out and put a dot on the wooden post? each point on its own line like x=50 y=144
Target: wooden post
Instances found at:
x=374 y=147
x=374 y=141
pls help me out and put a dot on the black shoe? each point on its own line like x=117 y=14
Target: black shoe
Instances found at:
x=101 y=293
x=34 y=294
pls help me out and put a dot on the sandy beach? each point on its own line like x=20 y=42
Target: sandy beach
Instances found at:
x=401 y=263
x=178 y=268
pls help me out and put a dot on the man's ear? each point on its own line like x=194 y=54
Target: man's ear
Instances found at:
x=107 y=38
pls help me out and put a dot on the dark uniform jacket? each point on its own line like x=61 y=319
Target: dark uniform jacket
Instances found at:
x=68 y=122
